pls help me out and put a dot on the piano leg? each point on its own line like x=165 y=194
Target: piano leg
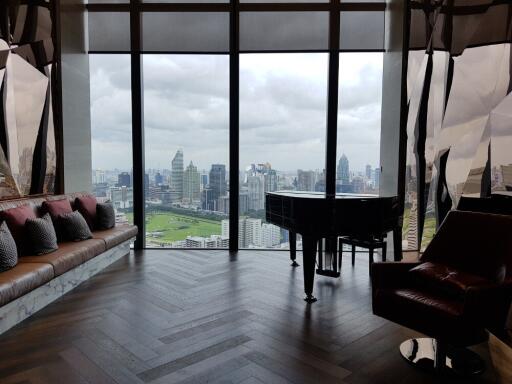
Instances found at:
x=293 y=248
x=309 y=247
x=397 y=243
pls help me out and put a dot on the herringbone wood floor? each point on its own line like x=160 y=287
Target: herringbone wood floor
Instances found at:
x=207 y=317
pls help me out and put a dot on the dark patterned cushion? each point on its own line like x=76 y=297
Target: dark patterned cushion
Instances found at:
x=57 y=208
x=8 y=251
x=105 y=216
x=41 y=234
x=75 y=226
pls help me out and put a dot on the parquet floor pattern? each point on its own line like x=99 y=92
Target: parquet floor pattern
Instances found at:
x=172 y=316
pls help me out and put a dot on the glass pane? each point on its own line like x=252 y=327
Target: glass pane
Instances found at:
x=283 y=107
x=109 y=31
x=186 y=32
x=111 y=132
x=186 y=120
x=359 y=122
x=361 y=31
x=283 y=31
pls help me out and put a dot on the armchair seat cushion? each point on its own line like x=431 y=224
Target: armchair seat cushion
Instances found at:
x=69 y=255
x=444 y=279
x=429 y=313
x=117 y=235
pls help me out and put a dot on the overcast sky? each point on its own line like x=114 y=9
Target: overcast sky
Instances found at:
x=283 y=100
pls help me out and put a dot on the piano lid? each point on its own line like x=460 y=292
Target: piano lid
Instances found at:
x=321 y=195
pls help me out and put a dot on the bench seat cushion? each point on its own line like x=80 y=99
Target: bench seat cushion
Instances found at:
x=117 y=235
x=69 y=255
x=22 y=279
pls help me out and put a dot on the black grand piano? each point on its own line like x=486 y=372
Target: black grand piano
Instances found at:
x=317 y=217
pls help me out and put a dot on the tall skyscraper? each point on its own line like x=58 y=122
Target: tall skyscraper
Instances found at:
x=376 y=178
x=177 y=175
x=270 y=180
x=343 y=172
x=256 y=191
x=191 y=184
x=368 y=172
x=218 y=181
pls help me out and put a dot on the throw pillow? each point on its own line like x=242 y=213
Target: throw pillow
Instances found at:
x=8 y=251
x=75 y=226
x=105 y=215
x=57 y=208
x=86 y=205
x=15 y=219
x=41 y=234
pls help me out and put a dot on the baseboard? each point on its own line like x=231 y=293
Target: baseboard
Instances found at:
x=18 y=310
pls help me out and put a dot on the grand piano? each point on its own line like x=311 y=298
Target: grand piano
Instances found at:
x=317 y=217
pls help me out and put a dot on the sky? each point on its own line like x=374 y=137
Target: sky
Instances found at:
x=283 y=101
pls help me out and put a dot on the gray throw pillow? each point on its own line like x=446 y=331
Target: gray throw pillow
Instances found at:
x=105 y=215
x=41 y=234
x=75 y=226
x=8 y=250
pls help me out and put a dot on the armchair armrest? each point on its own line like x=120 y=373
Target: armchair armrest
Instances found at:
x=391 y=274
x=489 y=304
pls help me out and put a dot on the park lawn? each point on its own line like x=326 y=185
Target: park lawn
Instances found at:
x=177 y=227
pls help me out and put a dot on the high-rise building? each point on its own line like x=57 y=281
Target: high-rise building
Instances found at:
x=368 y=172
x=207 y=201
x=376 y=178
x=243 y=201
x=159 y=179
x=270 y=235
x=204 y=180
x=218 y=181
x=177 y=175
x=223 y=204
x=343 y=171
x=124 y=179
x=358 y=184
x=305 y=180
x=252 y=232
x=256 y=191
x=191 y=184
x=270 y=180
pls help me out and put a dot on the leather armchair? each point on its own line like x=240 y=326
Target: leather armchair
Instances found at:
x=461 y=286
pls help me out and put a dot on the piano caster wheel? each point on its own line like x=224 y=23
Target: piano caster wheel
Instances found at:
x=295 y=264
x=310 y=299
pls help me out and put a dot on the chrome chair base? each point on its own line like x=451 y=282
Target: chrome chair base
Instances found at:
x=429 y=354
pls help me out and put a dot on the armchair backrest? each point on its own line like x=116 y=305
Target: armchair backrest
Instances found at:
x=478 y=243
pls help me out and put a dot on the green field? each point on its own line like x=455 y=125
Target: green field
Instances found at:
x=165 y=227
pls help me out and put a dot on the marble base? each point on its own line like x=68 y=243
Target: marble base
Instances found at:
x=18 y=310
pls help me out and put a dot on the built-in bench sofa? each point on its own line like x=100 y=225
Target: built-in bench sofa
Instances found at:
x=36 y=281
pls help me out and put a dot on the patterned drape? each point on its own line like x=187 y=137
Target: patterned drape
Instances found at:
x=27 y=136
x=459 y=125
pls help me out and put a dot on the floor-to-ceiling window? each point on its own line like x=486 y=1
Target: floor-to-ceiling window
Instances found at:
x=111 y=132
x=246 y=83
x=186 y=125
x=283 y=101
x=359 y=122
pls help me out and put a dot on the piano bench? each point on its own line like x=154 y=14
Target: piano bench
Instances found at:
x=369 y=243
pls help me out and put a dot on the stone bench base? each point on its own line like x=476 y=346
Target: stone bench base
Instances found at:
x=18 y=310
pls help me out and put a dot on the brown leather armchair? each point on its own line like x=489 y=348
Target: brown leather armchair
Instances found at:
x=461 y=286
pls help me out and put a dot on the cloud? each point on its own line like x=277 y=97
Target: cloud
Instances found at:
x=283 y=107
